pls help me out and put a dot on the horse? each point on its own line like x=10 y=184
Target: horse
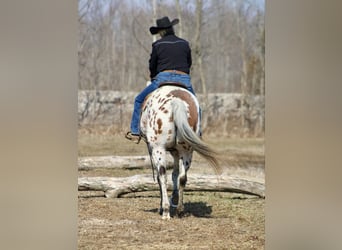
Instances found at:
x=170 y=122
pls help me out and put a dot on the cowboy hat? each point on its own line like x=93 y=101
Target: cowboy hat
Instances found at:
x=163 y=23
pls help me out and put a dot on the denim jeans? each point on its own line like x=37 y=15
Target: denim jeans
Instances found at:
x=161 y=77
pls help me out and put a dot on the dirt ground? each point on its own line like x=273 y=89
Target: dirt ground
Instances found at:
x=213 y=220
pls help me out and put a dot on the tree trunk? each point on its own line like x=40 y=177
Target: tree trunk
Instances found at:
x=126 y=162
x=198 y=48
x=180 y=33
x=154 y=6
x=243 y=72
x=115 y=187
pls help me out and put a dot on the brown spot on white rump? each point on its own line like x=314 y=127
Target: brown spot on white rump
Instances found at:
x=185 y=96
x=160 y=123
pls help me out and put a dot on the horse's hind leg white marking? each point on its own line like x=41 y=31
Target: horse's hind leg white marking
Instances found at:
x=159 y=160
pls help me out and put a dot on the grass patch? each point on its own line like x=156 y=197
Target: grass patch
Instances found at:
x=100 y=145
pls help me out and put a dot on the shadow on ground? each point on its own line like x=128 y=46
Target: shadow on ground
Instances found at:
x=196 y=209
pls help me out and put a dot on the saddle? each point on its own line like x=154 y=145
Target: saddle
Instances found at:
x=178 y=84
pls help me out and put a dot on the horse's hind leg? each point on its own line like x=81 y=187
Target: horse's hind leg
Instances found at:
x=175 y=180
x=159 y=160
x=182 y=179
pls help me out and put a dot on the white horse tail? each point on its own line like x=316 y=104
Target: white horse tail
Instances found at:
x=186 y=133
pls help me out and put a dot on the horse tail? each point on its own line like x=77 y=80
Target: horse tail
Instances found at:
x=186 y=133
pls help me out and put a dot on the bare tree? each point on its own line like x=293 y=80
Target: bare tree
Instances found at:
x=226 y=37
x=154 y=4
x=179 y=15
x=198 y=45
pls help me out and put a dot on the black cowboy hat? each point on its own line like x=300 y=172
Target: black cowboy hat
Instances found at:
x=163 y=23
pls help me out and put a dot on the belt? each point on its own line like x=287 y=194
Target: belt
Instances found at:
x=176 y=71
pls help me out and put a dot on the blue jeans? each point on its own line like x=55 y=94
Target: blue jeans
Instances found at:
x=161 y=77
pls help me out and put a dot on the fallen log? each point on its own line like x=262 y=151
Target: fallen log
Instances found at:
x=143 y=161
x=114 y=187
x=125 y=162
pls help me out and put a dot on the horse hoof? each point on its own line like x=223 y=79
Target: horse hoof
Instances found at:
x=180 y=211
x=166 y=217
x=174 y=201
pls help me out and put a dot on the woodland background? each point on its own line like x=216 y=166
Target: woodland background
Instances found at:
x=227 y=38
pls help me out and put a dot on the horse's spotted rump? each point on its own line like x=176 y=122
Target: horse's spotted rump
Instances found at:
x=186 y=96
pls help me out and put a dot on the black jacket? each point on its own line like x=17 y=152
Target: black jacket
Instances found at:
x=170 y=53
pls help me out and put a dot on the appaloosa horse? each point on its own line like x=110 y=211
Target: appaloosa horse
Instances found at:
x=170 y=121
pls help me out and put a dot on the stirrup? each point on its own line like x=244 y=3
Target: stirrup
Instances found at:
x=133 y=137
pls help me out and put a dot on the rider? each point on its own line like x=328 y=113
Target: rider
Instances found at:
x=170 y=61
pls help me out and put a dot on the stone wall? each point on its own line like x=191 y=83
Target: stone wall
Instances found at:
x=227 y=114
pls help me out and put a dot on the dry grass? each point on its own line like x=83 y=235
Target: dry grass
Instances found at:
x=106 y=144
x=116 y=144
x=213 y=220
